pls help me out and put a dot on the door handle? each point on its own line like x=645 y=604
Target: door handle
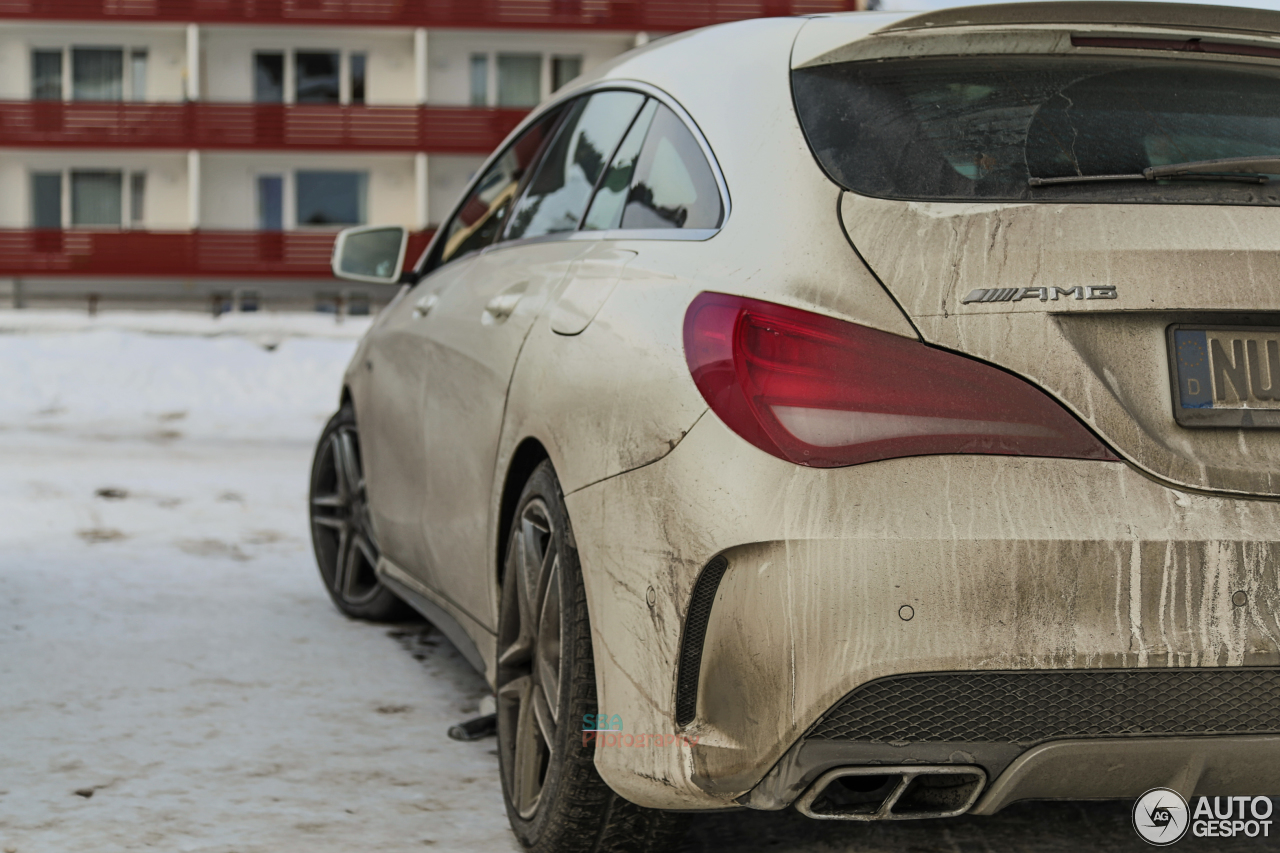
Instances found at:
x=424 y=306
x=504 y=304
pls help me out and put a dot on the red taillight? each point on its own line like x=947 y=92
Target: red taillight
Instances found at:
x=819 y=391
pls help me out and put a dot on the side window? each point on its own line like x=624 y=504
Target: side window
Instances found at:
x=669 y=182
x=483 y=214
x=557 y=196
x=611 y=197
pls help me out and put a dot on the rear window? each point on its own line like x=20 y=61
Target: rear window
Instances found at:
x=979 y=128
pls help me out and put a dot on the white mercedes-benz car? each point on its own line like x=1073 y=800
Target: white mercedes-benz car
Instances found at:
x=871 y=414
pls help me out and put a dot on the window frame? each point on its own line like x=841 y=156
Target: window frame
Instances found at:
x=555 y=58
x=69 y=211
x=289 y=76
x=61 y=53
x=124 y=83
x=127 y=198
x=132 y=89
x=343 y=85
x=420 y=270
x=33 y=204
x=537 y=59
x=255 y=60
x=293 y=187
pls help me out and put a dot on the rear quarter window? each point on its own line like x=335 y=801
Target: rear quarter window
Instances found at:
x=658 y=178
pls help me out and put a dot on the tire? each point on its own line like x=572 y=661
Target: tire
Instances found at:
x=341 y=534
x=555 y=799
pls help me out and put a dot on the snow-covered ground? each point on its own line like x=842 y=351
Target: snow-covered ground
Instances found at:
x=172 y=676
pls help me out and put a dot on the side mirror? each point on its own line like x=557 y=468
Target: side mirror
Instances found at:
x=372 y=253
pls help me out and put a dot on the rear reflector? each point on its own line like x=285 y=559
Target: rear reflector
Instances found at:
x=822 y=392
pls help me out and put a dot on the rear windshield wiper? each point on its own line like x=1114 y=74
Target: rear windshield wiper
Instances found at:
x=1251 y=170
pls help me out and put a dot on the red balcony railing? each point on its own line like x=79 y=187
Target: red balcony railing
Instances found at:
x=96 y=124
x=180 y=254
x=650 y=15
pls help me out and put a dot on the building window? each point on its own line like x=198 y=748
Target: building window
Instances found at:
x=359 y=62
x=268 y=78
x=270 y=203
x=96 y=198
x=46 y=200
x=46 y=75
x=330 y=198
x=97 y=74
x=519 y=79
x=316 y=77
x=138 y=74
x=564 y=69
x=137 y=199
x=479 y=79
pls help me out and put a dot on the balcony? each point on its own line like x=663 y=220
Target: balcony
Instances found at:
x=176 y=254
x=201 y=125
x=649 y=15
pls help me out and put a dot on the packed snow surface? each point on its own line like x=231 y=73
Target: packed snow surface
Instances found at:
x=172 y=675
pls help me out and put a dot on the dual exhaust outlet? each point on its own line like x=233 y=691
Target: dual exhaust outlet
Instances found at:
x=905 y=792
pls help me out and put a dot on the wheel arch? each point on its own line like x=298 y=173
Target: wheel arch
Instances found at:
x=528 y=455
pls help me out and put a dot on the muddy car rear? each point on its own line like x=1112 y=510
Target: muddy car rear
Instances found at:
x=899 y=441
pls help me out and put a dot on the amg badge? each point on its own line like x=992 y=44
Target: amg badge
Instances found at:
x=1044 y=294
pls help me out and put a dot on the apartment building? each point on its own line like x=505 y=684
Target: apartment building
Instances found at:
x=157 y=153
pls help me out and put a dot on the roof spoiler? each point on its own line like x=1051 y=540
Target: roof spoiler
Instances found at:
x=1106 y=12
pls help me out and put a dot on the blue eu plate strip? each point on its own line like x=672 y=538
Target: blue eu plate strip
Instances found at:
x=1195 y=388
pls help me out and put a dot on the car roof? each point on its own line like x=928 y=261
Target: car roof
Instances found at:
x=815 y=35
x=733 y=81
x=1021 y=28
x=1109 y=12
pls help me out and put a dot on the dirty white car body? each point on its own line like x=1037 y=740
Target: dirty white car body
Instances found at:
x=755 y=606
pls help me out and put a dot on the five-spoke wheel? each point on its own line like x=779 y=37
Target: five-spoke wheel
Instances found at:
x=341 y=532
x=529 y=658
x=546 y=684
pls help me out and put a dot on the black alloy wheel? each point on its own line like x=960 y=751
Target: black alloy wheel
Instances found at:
x=341 y=534
x=556 y=801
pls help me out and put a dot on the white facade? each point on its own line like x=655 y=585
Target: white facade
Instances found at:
x=181 y=190
x=165 y=47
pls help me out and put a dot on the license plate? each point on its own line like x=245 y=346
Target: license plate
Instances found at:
x=1225 y=376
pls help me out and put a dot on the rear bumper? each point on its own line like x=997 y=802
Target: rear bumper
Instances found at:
x=1088 y=734
x=1109 y=770
x=1085 y=769
x=1005 y=564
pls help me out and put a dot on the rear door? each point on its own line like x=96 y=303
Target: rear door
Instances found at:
x=476 y=331
x=402 y=364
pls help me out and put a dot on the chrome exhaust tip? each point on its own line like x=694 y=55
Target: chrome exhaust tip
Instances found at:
x=906 y=792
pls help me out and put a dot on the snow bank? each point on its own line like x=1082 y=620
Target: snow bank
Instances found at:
x=133 y=376
x=263 y=326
